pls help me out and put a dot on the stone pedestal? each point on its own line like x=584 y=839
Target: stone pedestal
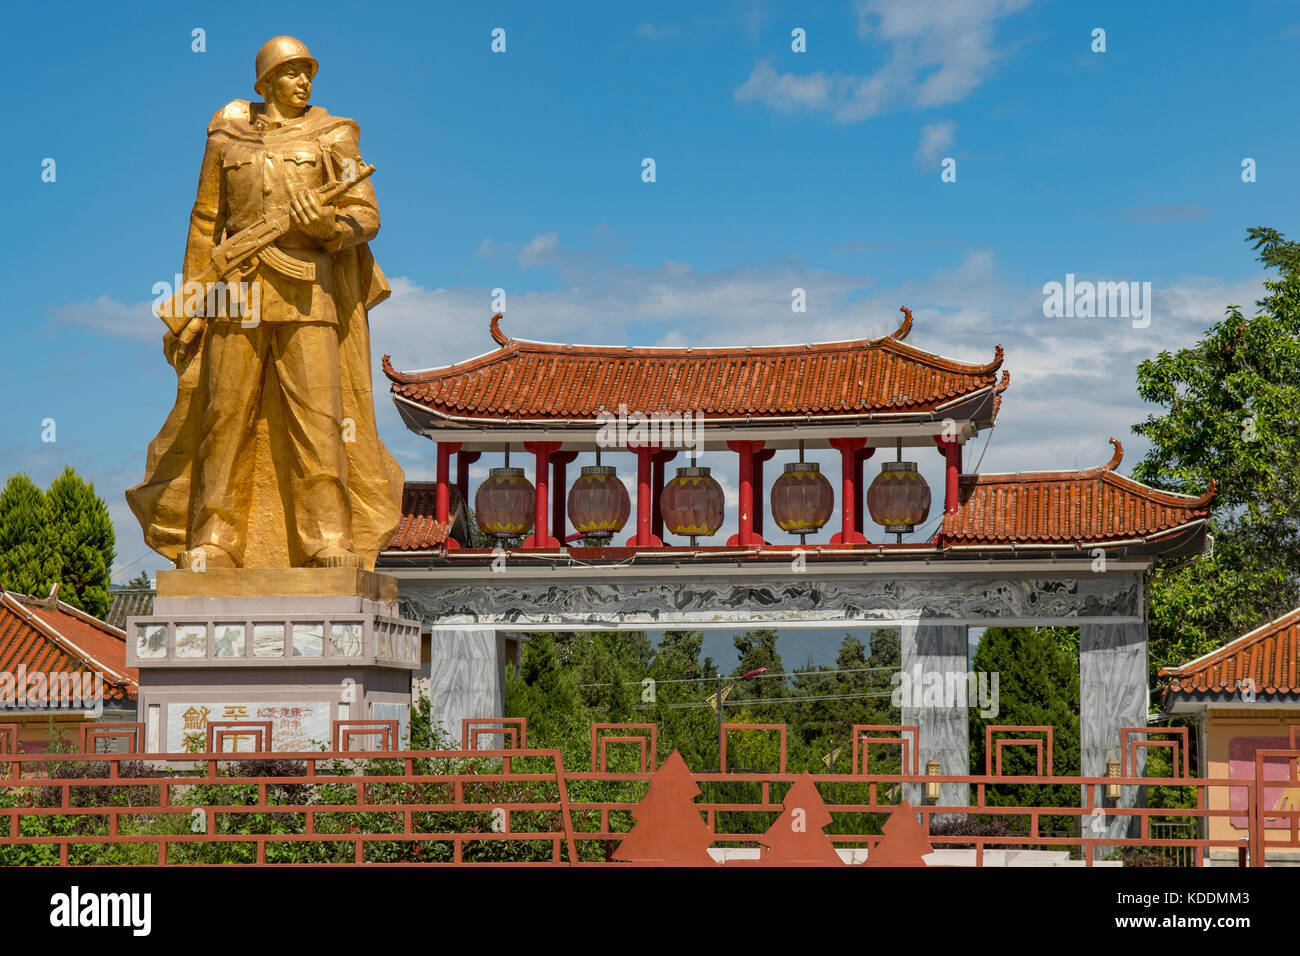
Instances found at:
x=298 y=647
x=1113 y=693
x=933 y=680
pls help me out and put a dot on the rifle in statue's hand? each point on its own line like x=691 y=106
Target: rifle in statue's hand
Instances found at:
x=235 y=254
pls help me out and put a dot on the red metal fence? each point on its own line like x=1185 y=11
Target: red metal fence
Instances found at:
x=513 y=804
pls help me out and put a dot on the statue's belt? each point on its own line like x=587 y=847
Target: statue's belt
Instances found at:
x=288 y=264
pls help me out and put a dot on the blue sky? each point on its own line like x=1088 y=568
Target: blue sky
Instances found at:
x=775 y=170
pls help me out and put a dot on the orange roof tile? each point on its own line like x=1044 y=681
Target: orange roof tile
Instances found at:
x=418 y=529
x=1270 y=655
x=54 y=637
x=544 y=382
x=1069 y=508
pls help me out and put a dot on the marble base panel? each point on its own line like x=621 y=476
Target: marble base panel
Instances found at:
x=466 y=678
x=1113 y=694
x=944 y=730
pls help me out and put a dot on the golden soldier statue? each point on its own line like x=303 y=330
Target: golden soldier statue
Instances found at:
x=270 y=457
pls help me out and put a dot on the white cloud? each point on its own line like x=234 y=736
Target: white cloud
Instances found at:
x=787 y=92
x=111 y=317
x=935 y=140
x=936 y=52
x=538 y=250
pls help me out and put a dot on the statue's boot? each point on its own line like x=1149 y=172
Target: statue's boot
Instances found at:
x=335 y=558
x=203 y=557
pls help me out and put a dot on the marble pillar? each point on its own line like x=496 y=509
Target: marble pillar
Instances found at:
x=466 y=678
x=934 y=657
x=1113 y=693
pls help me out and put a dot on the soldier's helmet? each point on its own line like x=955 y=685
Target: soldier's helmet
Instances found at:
x=276 y=52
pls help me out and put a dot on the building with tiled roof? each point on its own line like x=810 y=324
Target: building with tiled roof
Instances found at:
x=1094 y=508
x=419 y=530
x=125 y=602
x=45 y=641
x=1263 y=664
x=568 y=386
x=554 y=401
x=1244 y=697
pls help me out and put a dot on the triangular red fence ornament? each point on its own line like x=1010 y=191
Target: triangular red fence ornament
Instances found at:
x=797 y=836
x=669 y=830
x=903 y=842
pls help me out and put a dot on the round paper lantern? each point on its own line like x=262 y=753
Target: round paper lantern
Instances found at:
x=504 y=504
x=802 y=498
x=692 y=503
x=899 y=498
x=598 y=503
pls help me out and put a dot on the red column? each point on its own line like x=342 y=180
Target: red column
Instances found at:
x=951 y=451
x=442 y=496
x=848 y=449
x=463 y=460
x=759 y=500
x=860 y=483
x=746 y=534
x=559 y=520
x=541 y=537
x=645 y=506
x=657 y=463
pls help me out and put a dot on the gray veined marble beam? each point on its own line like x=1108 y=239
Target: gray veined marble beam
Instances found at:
x=1113 y=694
x=466 y=678
x=518 y=601
x=934 y=657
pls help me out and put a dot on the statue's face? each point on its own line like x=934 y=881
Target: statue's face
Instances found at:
x=291 y=85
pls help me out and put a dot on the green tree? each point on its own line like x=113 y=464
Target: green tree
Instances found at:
x=855 y=691
x=608 y=667
x=141 y=580
x=543 y=691
x=83 y=536
x=1038 y=684
x=758 y=649
x=1231 y=408
x=29 y=558
x=682 y=682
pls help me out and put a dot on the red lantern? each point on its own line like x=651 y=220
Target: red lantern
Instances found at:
x=504 y=504
x=692 y=503
x=598 y=503
x=899 y=498
x=802 y=498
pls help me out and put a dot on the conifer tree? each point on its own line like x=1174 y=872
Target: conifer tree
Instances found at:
x=82 y=534
x=29 y=560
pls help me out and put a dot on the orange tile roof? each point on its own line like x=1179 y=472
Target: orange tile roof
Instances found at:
x=1068 y=508
x=544 y=382
x=54 y=637
x=418 y=529
x=1270 y=655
